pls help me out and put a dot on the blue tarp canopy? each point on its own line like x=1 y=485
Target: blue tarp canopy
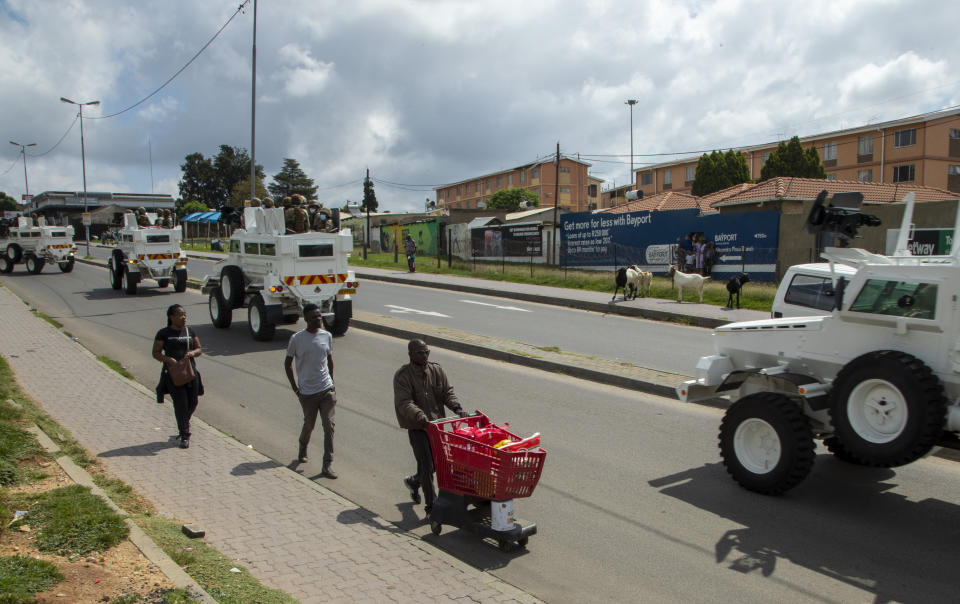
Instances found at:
x=202 y=217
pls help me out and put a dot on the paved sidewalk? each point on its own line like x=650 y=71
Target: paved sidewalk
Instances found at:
x=252 y=508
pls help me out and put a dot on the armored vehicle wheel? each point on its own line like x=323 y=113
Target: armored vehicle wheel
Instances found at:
x=231 y=284
x=180 y=281
x=342 y=310
x=34 y=265
x=14 y=253
x=6 y=265
x=887 y=408
x=220 y=314
x=290 y=319
x=116 y=276
x=261 y=329
x=66 y=265
x=834 y=445
x=129 y=282
x=766 y=443
x=162 y=283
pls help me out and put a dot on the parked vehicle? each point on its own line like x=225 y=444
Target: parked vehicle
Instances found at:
x=35 y=246
x=147 y=253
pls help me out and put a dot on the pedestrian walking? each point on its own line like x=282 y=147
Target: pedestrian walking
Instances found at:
x=176 y=346
x=312 y=349
x=420 y=392
x=410 y=249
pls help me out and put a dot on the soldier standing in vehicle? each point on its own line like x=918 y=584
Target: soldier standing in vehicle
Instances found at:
x=301 y=220
x=267 y=202
x=288 y=213
x=142 y=219
x=166 y=223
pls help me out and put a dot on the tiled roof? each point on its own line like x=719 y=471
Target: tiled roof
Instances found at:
x=790 y=187
x=665 y=200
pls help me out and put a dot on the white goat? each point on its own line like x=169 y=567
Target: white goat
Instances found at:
x=681 y=280
x=643 y=281
x=626 y=278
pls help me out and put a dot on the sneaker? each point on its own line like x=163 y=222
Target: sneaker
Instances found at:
x=413 y=488
x=184 y=443
x=302 y=455
x=328 y=472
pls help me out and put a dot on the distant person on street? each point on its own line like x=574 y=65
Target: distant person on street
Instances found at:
x=172 y=344
x=680 y=255
x=420 y=392
x=312 y=348
x=410 y=249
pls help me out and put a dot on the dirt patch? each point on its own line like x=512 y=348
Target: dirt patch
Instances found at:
x=95 y=578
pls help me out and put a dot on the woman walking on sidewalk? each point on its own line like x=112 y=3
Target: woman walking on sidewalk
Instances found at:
x=173 y=345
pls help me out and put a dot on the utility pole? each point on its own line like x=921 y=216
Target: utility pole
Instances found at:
x=366 y=238
x=631 y=102
x=23 y=151
x=253 y=112
x=556 y=200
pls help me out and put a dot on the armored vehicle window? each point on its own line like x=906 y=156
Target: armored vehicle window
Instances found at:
x=251 y=247
x=128 y=238
x=58 y=233
x=34 y=234
x=316 y=250
x=235 y=246
x=268 y=249
x=158 y=238
x=897 y=298
x=810 y=291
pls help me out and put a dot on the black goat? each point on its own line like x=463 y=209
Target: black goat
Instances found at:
x=734 y=285
x=621 y=283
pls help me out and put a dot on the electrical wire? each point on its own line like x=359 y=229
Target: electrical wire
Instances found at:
x=15 y=162
x=179 y=71
x=72 y=124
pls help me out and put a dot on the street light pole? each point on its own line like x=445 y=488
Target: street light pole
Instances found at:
x=83 y=162
x=631 y=102
x=23 y=151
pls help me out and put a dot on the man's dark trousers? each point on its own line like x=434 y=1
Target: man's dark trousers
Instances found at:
x=323 y=404
x=424 y=476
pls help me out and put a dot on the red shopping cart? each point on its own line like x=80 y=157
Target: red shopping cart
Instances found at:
x=478 y=481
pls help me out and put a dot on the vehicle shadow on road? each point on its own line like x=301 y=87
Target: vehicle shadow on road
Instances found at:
x=845 y=522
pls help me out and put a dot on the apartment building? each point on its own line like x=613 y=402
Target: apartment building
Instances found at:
x=922 y=150
x=577 y=190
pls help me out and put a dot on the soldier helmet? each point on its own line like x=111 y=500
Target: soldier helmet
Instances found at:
x=255 y=202
x=267 y=202
x=287 y=201
x=141 y=210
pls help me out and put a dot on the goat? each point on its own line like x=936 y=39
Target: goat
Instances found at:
x=626 y=279
x=734 y=285
x=681 y=280
x=644 y=282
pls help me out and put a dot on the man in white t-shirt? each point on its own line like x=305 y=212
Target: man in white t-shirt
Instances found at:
x=312 y=348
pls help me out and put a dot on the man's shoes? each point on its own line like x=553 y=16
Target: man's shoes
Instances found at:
x=413 y=487
x=184 y=443
x=328 y=472
x=302 y=456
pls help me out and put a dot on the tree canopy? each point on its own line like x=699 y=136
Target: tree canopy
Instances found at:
x=291 y=180
x=719 y=171
x=241 y=192
x=791 y=160
x=510 y=199
x=369 y=203
x=8 y=203
x=189 y=207
x=212 y=180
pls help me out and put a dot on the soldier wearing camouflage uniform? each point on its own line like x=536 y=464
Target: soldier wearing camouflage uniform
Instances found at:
x=288 y=213
x=301 y=220
x=142 y=219
x=166 y=222
x=267 y=202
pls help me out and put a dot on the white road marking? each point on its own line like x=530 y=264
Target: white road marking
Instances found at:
x=496 y=306
x=404 y=310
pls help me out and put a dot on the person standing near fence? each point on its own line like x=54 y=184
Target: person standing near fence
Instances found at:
x=410 y=249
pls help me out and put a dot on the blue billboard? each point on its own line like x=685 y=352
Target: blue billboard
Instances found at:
x=744 y=242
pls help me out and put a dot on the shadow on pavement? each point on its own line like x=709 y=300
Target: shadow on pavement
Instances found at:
x=840 y=508
x=141 y=450
x=250 y=468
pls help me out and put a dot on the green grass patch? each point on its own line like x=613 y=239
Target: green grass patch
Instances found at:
x=23 y=576
x=48 y=319
x=555 y=349
x=208 y=567
x=72 y=521
x=755 y=296
x=116 y=366
x=522 y=353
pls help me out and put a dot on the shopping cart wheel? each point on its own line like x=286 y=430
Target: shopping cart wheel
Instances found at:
x=435 y=527
x=522 y=541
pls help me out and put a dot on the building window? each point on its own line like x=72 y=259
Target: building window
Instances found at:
x=564 y=170
x=764 y=158
x=830 y=151
x=460 y=190
x=955 y=133
x=535 y=172
x=565 y=190
x=953 y=171
x=646 y=179
x=690 y=173
x=510 y=179
x=498 y=182
x=667 y=177
x=831 y=177
x=865 y=145
x=548 y=194
x=903 y=173
x=523 y=175
x=905 y=138
x=865 y=175
x=477 y=187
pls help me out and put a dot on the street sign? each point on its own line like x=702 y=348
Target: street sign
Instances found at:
x=86 y=218
x=25 y=197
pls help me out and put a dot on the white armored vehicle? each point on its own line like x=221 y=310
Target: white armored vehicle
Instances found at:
x=274 y=275
x=147 y=253
x=878 y=378
x=37 y=245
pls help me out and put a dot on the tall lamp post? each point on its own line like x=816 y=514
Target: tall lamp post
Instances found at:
x=23 y=151
x=631 y=102
x=83 y=162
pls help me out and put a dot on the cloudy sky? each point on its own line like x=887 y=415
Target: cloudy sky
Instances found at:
x=427 y=92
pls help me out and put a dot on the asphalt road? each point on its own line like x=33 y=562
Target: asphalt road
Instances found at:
x=633 y=504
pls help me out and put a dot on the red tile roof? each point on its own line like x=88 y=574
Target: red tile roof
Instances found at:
x=790 y=187
x=665 y=200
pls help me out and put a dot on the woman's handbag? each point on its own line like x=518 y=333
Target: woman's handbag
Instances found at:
x=182 y=371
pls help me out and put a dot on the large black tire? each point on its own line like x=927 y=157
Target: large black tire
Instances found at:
x=129 y=281
x=231 y=284
x=766 y=443
x=34 y=264
x=66 y=266
x=260 y=328
x=290 y=319
x=6 y=264
x=14 y=253
x=887 y=408
x=220 y=314
x=180 y=281
x=834 y=445
x=162 y=283
x=342 y=311
x=116 y=275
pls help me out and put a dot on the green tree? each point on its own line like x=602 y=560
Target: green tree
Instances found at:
x=719 y=171
x=189 y=207
x=510 y=199
x=369 y=197
x=791 y=160
x=241 y=192
x=8 y=203
x=291 y=180
x=231 y=166
x=198 y=181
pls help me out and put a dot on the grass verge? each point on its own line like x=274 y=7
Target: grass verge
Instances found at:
x=116 y=366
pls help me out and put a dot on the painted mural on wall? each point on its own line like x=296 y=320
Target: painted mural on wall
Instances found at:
x=743 y=242
x=424 y=234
